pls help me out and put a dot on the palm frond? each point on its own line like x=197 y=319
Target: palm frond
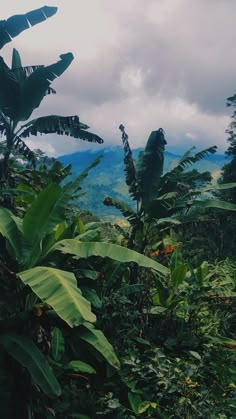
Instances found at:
x=16 y=24
x=130 y=171
x=61 y=125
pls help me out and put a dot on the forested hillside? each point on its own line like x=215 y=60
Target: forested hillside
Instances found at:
x=108 y=177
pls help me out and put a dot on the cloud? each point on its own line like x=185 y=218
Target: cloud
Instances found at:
x=162 y=63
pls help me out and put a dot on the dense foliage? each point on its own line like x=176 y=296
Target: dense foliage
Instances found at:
x=101 y=320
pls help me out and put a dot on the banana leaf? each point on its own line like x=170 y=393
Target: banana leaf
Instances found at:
x=32 y=90
x=29 y=356
x=110 y=250
x=16 y=24
x=96 y=338
x=61 y=125
x=58 y=289
x=10 y=230
x=150 y=167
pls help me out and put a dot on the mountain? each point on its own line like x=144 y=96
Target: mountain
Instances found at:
x=108 y=179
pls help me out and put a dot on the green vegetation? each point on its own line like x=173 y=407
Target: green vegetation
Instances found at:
x=132 y=320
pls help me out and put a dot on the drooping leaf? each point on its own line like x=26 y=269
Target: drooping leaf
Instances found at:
x=30 y=357
x=59 y=290
x=16 y=24
x=96 y=338
x=110 y=250
x=23 y=149
x=61 y=125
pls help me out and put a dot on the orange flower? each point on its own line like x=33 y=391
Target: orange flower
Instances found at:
x=169 y=249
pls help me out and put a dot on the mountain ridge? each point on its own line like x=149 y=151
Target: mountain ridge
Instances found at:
x=108 y=178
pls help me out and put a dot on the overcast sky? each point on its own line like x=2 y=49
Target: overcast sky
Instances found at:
x=144 y=63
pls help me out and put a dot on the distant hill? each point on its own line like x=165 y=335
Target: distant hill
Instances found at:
x=107 y=179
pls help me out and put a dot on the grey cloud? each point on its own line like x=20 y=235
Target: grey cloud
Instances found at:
x=189 y=56
x=185 y=54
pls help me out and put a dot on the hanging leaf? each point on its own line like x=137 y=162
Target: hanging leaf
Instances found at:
x=61 y=125
x=96 y=338
x=58 y=289
x=30 y=357
x=110 y=250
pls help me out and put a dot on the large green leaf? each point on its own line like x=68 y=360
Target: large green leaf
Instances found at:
x=30 y=357
x=9 y=230
x=16 y=24
x=96 y=338
x=37 y=222
x=110 y=250
x=47 y=211
x=59 y=289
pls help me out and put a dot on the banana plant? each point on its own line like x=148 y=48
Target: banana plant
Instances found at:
x=159 y=197
x=22 y=90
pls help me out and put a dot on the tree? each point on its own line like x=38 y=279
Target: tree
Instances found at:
x=158 y=196
x=21 y=91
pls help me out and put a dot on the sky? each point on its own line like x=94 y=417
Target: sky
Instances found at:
x=143 y=63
